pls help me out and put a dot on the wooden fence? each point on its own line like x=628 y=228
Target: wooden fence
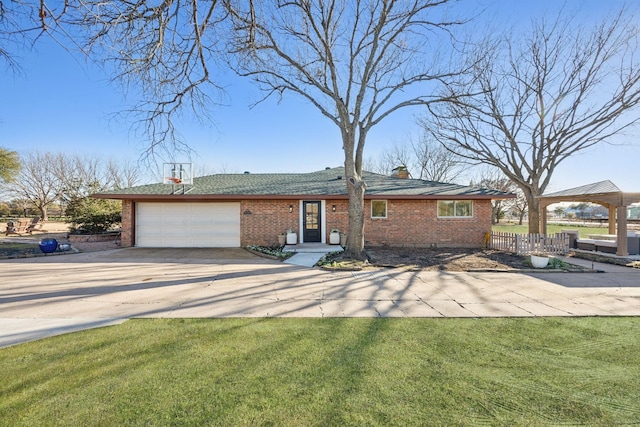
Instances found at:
x=524 y=244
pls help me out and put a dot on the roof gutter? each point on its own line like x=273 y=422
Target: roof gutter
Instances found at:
x=226 y=197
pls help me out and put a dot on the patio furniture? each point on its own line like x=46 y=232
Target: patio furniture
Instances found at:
x=34 y=223
x=604 y=243
x=17 y=227
x=606 y=246
x=585 y=245
x=633 y=243
x=22 y=225
x=603 y=236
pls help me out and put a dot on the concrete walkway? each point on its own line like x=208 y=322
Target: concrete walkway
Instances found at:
x=308 y=254
x=46 y=296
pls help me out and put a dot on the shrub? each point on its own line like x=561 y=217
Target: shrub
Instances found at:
x=5 y=210
x=273 y=251
x=87 y=215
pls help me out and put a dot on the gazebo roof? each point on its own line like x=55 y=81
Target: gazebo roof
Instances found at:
x=601 y=187
x=604 y=192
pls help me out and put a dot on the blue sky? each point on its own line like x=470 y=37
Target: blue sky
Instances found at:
x=61 y=104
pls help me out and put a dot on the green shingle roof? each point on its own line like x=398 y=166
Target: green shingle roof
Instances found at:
x=601 y=187
x=328 y=182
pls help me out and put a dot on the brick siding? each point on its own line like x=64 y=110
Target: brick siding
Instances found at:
x=262 y=220
x=415 y=223
x=127 y=235
x=412 y=223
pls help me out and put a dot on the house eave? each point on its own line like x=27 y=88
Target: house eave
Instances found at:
x=227 y=197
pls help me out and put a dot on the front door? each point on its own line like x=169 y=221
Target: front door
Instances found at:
x=312 y=232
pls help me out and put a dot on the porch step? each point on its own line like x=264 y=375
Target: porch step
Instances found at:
x=311 y=248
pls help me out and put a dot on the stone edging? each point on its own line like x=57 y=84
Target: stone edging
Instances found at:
x=86 y=238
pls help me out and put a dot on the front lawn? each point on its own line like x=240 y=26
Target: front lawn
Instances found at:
x=329 y=372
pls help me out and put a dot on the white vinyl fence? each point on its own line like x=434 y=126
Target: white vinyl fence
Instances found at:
x=525 y=244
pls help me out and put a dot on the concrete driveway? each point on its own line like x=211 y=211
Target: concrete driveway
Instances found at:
x=46 y=296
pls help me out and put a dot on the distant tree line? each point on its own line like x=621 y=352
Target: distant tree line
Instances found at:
x=35 y=182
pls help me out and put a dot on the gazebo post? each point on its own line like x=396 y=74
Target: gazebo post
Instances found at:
x=543 y=218
x=623 y=247
x=612 y=219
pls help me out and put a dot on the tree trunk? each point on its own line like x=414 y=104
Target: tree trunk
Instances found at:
x=355 y=238
x=496 y=212
x=43 y=213
x=533 y=206
x=355 y=189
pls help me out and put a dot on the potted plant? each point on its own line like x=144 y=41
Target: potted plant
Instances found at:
x=282 y=239
x=292 y=237
x=539 y=260
x=334 y=237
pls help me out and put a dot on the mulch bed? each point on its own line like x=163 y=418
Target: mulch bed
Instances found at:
x=448 y=259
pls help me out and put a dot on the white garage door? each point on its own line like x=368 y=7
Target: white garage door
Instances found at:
x=188 y=225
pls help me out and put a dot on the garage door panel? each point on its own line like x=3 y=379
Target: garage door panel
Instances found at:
x=188 y=224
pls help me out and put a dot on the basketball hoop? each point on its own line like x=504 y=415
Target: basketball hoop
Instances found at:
x=178 y=173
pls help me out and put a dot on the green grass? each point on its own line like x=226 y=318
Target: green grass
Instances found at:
x=552 y=229
x=329 y=372
x=13 y=249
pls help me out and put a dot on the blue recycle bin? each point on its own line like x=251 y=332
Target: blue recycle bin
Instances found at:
x=48 y=245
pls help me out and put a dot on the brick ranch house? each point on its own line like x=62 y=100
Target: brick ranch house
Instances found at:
x=235 y=210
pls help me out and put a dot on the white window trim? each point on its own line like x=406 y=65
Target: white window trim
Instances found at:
x=454 y=209
x=386 y=209
x=323 y=220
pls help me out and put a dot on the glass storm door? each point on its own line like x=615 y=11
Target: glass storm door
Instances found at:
x=312 y=232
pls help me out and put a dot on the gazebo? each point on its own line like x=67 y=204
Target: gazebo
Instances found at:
x=604 y=193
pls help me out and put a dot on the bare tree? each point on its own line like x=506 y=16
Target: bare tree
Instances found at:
x=434 y=162
x=389 y=159
x=13 y=33
x=21 y=206
x=166 y=50
x=495 y=179
x=161 y=53
x=375 y=165
x=82 y=176
x=519 y=207
x=37 y=181
x=207 y=169
x=79 y=176
x=122 y=174
x=48 y=178
x=425 y=159
x=356 y=62
x=557 y=90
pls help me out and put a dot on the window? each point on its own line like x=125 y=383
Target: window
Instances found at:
x=378 y=209
x=455 y=208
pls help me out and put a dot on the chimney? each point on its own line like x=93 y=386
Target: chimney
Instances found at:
x=400 y=172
